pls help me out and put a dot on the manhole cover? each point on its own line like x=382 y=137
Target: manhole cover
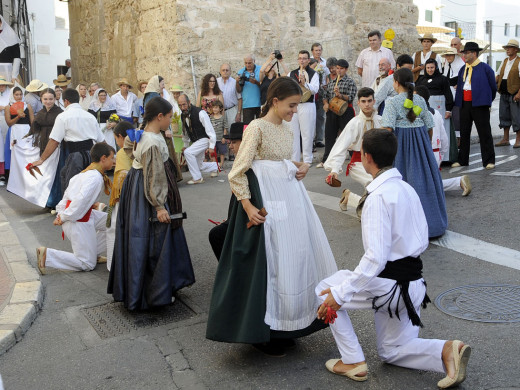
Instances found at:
x=112 y=319
x=482 y=302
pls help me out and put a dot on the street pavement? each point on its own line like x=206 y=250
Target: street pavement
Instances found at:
x=62 y=350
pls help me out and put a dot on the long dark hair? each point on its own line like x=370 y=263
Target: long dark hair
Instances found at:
x=48 y=90
x=281 y=88
x=204 y=89
x=154 y=107
x=404 y=78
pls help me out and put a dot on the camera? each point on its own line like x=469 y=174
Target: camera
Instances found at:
x=242 y=80
x=277 y=55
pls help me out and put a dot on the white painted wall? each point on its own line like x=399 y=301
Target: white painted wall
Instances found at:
x=435 y=6
x=50 y=46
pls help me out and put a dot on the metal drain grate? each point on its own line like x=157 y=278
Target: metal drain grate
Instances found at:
x=112 y=319
x=482 y=302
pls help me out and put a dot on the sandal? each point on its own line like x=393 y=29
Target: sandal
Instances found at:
x=352 y=374
x=41 y=253
x=461 y=359
x=502 y=143
x=344 y=200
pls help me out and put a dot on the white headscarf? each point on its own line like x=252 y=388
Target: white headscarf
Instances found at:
x=153 y=85
x=8 y=37
x=84 y=102
x=96 y=105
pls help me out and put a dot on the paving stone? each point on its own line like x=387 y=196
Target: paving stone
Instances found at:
x=27 y=292
x=24 y=272
x=9 y=237
x=7 y=340
x=21 y=315
x=14 y=253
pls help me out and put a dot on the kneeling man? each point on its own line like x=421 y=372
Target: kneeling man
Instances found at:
x=388 y=278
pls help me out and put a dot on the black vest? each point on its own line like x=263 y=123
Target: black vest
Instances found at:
x=196 y=131
x=310 y=72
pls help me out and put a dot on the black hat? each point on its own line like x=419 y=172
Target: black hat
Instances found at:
x=235 y=131
x=342 y=63
x=471 y=46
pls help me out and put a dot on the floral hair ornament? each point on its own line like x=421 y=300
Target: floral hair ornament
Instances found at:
x=409 y=104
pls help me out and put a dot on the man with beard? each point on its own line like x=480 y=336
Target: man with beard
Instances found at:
x=384 y=68
x=198 y=130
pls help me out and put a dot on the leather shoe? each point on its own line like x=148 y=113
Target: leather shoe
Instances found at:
x=465 y=184
x=270 y=348
x=455 y=165
x=490 y=166
x=320 y=144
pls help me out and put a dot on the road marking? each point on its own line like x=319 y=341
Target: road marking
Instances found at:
x=513 y=173
x=457 y=242
x=458 y=169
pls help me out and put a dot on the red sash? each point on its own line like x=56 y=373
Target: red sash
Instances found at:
x=85 y=218
x=467 y=95
x=356 y=157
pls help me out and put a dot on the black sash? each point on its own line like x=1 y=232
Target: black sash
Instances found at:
x=79 y=146
x=403 y=271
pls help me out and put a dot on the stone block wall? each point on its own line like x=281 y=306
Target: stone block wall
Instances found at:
x=137 y=39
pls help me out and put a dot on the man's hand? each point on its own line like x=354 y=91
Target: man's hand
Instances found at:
x=168 y=134
x=447 y=115
x=238 y=117
x=210 y=151
x=325 y=106
x=57 y=221
x=252 y=79
x=516 y=98
x=330 y=176
x=302 y=171
x=329 y=302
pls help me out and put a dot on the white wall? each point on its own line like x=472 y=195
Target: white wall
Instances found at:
x=50 y=46
x=434 y=6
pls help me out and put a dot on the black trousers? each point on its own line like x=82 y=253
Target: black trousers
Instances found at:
x=217 y=235
x=479 y=115
x=334 y=125
x=248 y=114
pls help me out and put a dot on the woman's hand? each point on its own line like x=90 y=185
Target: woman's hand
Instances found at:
x=252 y=213
x=302 y=171
x=168 y=134
x=163 y=216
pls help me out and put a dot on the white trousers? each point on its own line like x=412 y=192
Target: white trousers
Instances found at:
x=194 y=156
x=88 y=240
x=451 y=184
x=397 y=340
x=111 y=236
x=358 y=173
x=231 y=115
x=304 y=123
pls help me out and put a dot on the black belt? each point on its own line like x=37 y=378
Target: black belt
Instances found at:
x=403 y=271
x=230 y=108
x=78 y=146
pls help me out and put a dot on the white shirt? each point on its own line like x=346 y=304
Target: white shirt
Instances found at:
x=83 y=191
x=210 y=131
x=322 y=63
x=393 y=226
x=439 y=138
x=508 y=65
x=229 y=91
x=313 y=85
x=386 y=90
x=456 y=65
x=75 y=124
x=124 y=106
x=368 y=60
x=350 y=139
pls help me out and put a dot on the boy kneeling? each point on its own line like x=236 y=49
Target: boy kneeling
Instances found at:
x=83 y=225
x=388 y=278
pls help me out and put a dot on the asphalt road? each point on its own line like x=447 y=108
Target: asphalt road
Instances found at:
x=62 y=350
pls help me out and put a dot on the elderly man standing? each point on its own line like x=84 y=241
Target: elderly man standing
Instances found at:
x=368 y=60
x=456 y=43
x=508 y=82
x=386 y=87
x=124 y=100
x=476 y=90
x=249 y=87
x=323 y=74
x=384 y=68
x=198 y=130
x=232 y=99
x=451 y=68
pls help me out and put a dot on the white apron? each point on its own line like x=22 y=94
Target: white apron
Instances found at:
x=297 y=250
x=438 y=102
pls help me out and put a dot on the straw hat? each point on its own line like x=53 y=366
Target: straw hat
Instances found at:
x=5 y=82
x=450 y=51
x=511 y=43
x=36 y=86
x=176 y=88
x=61 y=81
x=124 y=81
x=428 y=36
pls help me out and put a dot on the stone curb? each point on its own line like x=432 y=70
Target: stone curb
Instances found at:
x=26 y=296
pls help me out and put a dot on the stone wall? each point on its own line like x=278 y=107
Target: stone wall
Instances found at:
x=137 y=39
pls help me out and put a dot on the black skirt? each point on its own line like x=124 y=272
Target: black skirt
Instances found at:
x=151 y=259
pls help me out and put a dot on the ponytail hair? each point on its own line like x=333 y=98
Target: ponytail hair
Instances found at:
x=404 y=78
x=281 y=88
x=154 y=107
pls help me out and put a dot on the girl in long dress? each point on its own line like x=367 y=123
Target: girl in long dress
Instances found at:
x=264 y=286
x=102 y=107
x=151 y=260
x=408 y=116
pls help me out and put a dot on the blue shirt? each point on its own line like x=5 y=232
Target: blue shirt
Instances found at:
x=250 y=92
x=395 y=113
x=483 y=86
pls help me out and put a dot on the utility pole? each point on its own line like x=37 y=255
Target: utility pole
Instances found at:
x=489 y=30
